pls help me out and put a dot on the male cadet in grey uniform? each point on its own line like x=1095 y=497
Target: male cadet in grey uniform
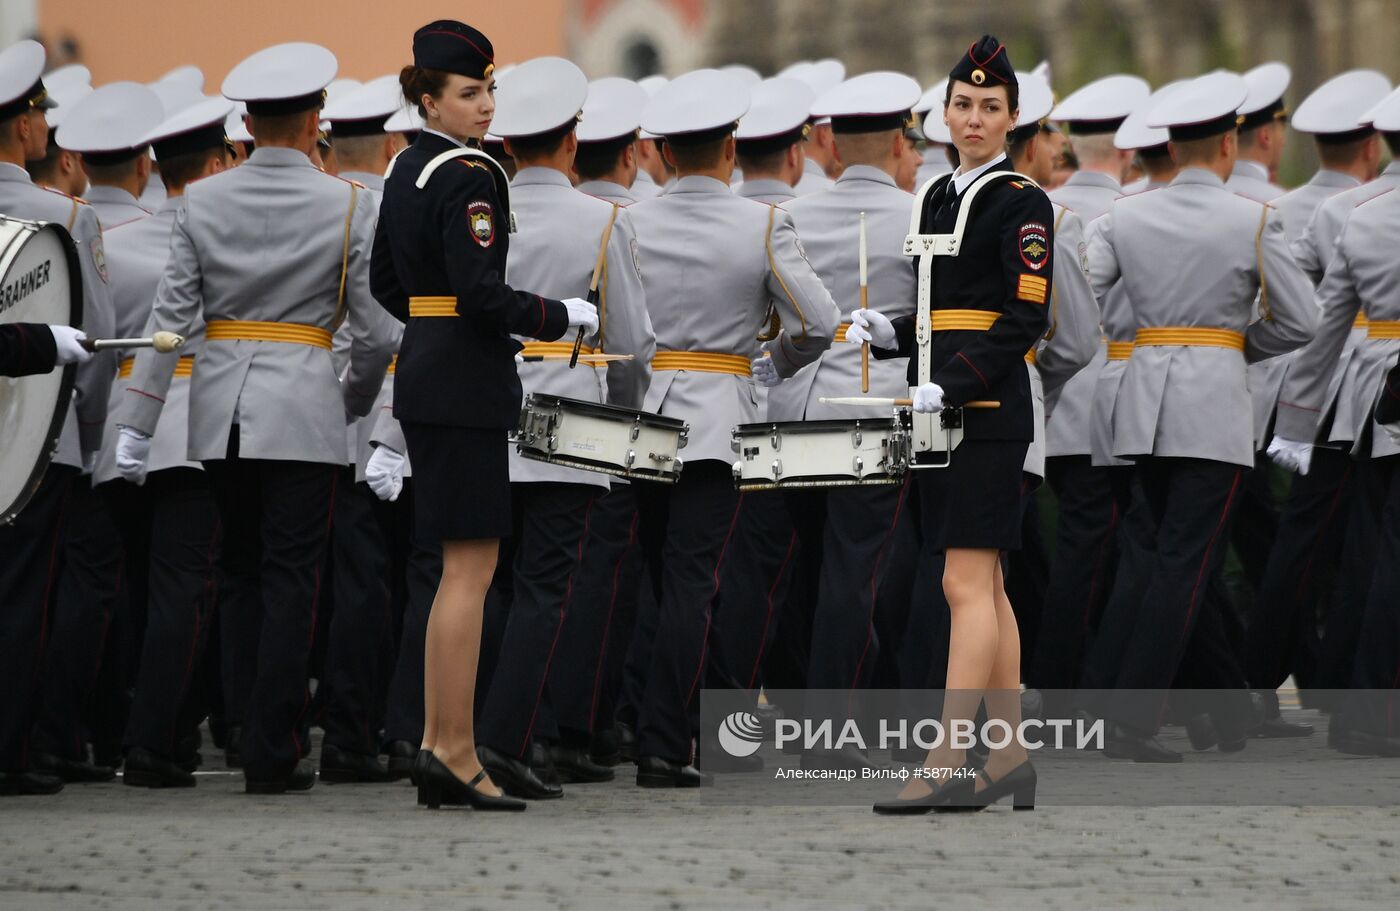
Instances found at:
x=652 y=171
x=1064 y=658
x=1349 y=154
x=1183 y=404
x=1069 y=344
x=769 y=144
x=1084 y=496
x=821 y=167
x=59 y=168
x=1359 y=640
x=29 y=548
x=1262 y=134
x=165 y=510
x=375 y=567
x=90 y=638
x=719 y=270
x=560 y=231
x=272 y=255
x=606 y=160
x=1311 y=524
x=101 y=129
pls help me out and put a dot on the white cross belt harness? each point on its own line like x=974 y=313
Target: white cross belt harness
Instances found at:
x=943 y=437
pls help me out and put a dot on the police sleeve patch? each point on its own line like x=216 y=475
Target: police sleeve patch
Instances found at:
x=1034 y=244
x=99 y=257
x=482 y=222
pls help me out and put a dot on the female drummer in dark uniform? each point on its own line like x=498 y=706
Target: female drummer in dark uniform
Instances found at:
x=439 y=258
x=988 y=307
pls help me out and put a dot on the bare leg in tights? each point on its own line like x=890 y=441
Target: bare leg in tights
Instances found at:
x=984 y=656
x=451 y=653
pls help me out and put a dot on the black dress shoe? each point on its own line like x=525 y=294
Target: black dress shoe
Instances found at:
x=515 y=776
x=1020 y=783
x=626 y=741
x=955 y=791
x=187 y=755
x=145 y=769
x=606 y=748
x=301 y=778
x=542 y=763
x=401 y=754
x=233 y=747
x=576 y=766
x=24 y=784
x=1125 y=743
x=73 y=770
x=1359 y=743
x=340 y=766
x=1276 y=728
x=655 y=772
x=1201 y=732
x=441 y=787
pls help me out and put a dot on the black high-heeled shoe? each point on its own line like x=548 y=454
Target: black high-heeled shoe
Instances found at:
x=415 y=774
x=952 y=794
x=441 y=786
x=1020 y=783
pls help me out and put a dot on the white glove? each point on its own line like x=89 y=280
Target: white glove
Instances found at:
x=873 y=327
x=1290 y=454
x=384 y=473
x=519 y=359
x=69 y=351
x=928 y=398
x=765 y=371
x=582 y=313
x=133 y=452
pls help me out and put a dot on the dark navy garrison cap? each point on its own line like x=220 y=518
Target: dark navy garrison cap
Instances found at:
x=454 y=47
x=985 y=63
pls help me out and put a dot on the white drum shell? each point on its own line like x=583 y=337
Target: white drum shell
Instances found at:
x=831 y=453
x=629 y=444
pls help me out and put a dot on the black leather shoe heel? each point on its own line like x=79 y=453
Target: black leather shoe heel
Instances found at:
x=955 y=793
x=1020 y=783
x=441 y=786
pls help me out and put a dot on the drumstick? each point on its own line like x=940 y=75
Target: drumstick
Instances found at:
x=593 y=286
x=864 y=302
x=163 y=342
x=581 y=359
x=877 y=402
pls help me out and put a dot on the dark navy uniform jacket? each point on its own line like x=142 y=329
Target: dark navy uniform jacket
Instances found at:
x=449 y=240
x=26 y=348
x=1004 y=266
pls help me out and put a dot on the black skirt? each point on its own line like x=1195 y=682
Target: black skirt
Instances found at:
x=461 y=482
x=976 y=502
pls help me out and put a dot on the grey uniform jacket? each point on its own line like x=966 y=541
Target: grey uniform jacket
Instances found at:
x=829 y=225
x=813 y=178
x=715 y=266
x=644 y=187
x=608 y=191
x=1251 y=180
x=21 y=198
x=271 y=241
x=935 y=164
x=558 y=231
x=115 y=206
x=1088 y=194
x=1116 y=319
x=1296 y=207
x=154 y=193
x=136 y=256
x=1193 y=401
x=767 y=191
x=1313 y=250
x=360 y=433
x=1364 y=274
x=1072 y=340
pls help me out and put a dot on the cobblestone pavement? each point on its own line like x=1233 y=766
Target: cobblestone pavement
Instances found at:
x=617 y=847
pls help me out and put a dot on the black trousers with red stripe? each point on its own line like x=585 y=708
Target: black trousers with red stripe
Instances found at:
x=535 y=586
x=587 y=666
x=688 y=526
x=175 y=512
x=753 y=588
x=1191 y=503
x=1373 y=705
x=276 y=518
x=31 y=560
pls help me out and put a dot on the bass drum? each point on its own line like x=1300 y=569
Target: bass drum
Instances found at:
x=39 y=283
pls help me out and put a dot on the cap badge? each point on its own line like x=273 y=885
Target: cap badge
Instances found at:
x=978 y=77
x=486 y=73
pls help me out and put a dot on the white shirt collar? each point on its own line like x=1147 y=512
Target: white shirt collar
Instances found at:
x=961 y=180
x=445 y=136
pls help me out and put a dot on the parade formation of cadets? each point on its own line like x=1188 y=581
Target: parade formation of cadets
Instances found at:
x=225 y=533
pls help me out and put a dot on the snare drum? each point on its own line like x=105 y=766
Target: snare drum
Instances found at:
x=596 y=437
x=835 y=453
x=932 y=437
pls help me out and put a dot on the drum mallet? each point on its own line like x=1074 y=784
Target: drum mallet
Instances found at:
x=877 y=402
x=864 y=302
x=163 y=342
x=593 y=295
